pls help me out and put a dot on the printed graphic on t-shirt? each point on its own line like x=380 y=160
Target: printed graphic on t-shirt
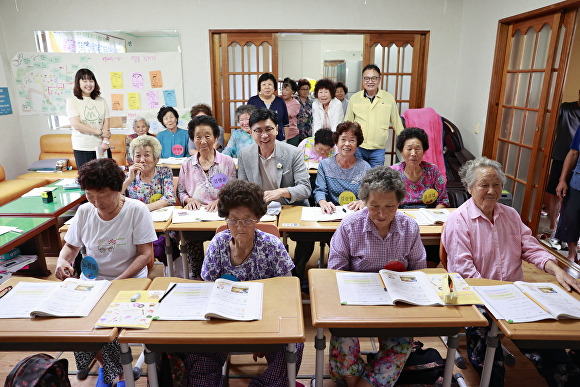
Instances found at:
x=108 y=245
x=91 y=115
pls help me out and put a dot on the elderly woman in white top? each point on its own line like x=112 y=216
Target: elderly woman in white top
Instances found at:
x=327 y=110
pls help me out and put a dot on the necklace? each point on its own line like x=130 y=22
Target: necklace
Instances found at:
x=246 y=257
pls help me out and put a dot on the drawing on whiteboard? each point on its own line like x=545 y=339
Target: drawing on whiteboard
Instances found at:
x=137 y=80
x=134 y=101
x=117 y=101
x=152 y=99
x=116 y=80
x=156 y=80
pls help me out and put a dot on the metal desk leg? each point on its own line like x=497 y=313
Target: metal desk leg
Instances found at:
x=291 y=363
x=151 y=367
x=492 y=343
x=319 y=345
x=184 y=260
x=126 y=361
x=168 y=254
x=321 y=259
x=452 y=343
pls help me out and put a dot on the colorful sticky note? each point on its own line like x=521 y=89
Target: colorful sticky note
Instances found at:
x=170 y=99
x=152 y=99
x=117 y=100
x=116 y=80
x=156 y=80
x=134 y=101
x=137 y=80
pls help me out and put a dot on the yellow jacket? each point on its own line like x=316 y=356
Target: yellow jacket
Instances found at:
x=374 y=119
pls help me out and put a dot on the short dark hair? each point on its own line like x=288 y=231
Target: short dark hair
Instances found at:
x=244 y=109
x=288 y=82
x=341 y=84
x=163 y=111
x=85 y=74
x=304 y=82
x=262 y=114
x=410 y=133
x=371 y=67
x=325 y=83
x=266 y=77
x=241 y=193
x=383 y=179
x=203 y=120
x=100 y=174
x=324 y=137
x=200 y=107
x=346 y=126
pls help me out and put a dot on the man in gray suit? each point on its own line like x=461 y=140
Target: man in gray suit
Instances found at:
x=281 y=171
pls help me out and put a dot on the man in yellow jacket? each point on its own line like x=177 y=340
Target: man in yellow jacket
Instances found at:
x=375 y=110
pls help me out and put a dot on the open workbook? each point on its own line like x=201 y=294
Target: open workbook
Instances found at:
x=315 y=214
x=224 y=299
x=428 y=216
x=411 y=287
x=69 y=298
x=529 y=301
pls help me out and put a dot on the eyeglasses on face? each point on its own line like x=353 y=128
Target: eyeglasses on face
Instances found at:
x=245 y=222
x=268 y=130
x=369 y=79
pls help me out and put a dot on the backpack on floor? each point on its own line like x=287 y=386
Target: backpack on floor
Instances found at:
x=424 y=367
x=40 y=370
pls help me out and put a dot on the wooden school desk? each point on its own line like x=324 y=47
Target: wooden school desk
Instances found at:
x=383 y=321
x=290 y=221
x=563 y=333
x=64 y=200
x=63 y=333
x=29 y=241
x=282 y=324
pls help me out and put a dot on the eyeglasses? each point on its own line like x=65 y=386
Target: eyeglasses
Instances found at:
x=369 y=79
x=268 y=130
x=245 y=222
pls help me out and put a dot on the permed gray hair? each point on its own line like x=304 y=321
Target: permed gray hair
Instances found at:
x=244 y=109
x=137 y=119
x=383 y=179
x=143 y=141
x=468 y=172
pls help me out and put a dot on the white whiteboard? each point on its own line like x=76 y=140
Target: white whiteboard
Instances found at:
x=130 y=82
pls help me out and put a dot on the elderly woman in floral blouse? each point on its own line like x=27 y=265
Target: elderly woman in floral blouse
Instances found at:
x=305 y=114
x=147 y=182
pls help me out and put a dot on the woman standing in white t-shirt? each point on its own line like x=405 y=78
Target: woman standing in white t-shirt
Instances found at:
x=88 y=114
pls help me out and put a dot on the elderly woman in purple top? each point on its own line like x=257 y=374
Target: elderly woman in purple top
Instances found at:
x=366 y=241
x=247 y=254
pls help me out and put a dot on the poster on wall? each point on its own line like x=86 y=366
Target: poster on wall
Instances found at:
x=5 y=105
x=44 y=81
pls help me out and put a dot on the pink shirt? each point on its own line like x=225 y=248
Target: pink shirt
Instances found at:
x=477 y=248
x=194 y=183
x=293 y=108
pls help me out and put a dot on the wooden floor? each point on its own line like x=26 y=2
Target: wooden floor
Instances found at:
x=522 y=374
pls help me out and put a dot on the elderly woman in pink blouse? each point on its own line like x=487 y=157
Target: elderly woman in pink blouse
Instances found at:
x=485 y=239
x=200 y=178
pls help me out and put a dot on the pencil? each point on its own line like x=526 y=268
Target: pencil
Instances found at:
x=537 y=303
x=167 y=292
x=383 y=282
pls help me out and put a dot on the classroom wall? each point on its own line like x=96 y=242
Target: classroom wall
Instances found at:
x=11 y=143
x=461 y=42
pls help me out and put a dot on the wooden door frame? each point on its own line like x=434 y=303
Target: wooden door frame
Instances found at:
x=422 y=61
x=567 y=9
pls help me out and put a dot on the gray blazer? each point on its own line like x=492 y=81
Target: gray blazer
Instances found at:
x=293 y=175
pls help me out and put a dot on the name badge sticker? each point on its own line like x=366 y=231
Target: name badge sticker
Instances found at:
x=346 y=197
x=219 y=180
x=177 y=150
x=89 y=267
x=430 y=195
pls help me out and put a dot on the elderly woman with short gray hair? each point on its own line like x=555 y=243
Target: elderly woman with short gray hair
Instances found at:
x=141 y=127
x=242 y=137
x=366 y=241
x=147 y=182
x=485 y=239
